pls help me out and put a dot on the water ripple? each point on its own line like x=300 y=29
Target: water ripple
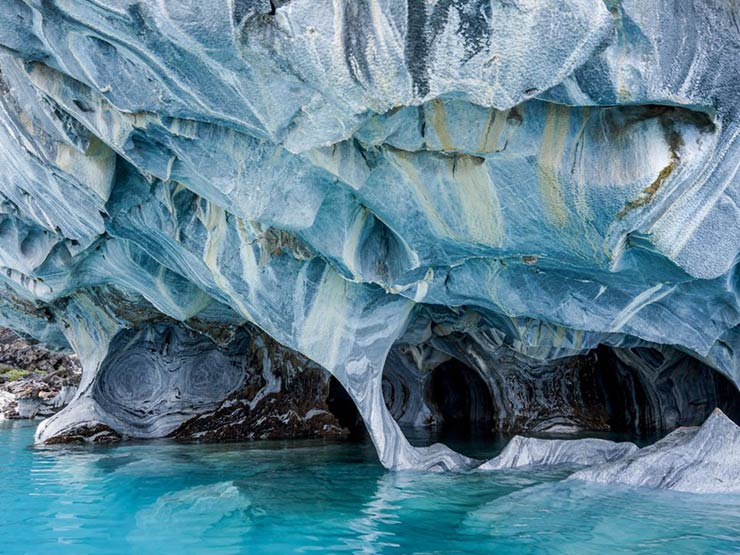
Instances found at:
x=318 y=497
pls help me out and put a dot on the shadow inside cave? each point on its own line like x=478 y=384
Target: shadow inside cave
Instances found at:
x=342 y=406
x=461 y=398
x=638 y=394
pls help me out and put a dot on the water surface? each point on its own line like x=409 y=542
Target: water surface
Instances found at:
x=323 y=497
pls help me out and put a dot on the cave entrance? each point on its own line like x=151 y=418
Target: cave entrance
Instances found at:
x=647 y=390
x=342 y=406
x=461 y=397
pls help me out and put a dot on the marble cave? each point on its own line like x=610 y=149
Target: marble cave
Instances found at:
x=283 y=219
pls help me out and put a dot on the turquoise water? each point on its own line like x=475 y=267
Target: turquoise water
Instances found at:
x=317 y=497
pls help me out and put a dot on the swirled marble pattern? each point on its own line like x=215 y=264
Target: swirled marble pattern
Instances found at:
x=485 y=383
x=154 y=377
x=163 y=379
x=352 y=175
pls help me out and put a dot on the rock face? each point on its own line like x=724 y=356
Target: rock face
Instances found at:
x=34 y=382
x=165 y=380
x=474 y=199
x=702 y=459
x=529 y=451
x=16 y=352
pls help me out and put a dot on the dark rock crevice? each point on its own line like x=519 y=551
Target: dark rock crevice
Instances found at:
x=660 y=389
x=343 y=408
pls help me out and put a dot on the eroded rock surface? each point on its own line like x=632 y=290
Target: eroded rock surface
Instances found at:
x=162 y=379
x=699 y=459
x=703 y=459
x=529 y=451
x=506 y=186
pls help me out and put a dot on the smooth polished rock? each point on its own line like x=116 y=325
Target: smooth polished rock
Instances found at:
x=529 y=451
x=703 y=459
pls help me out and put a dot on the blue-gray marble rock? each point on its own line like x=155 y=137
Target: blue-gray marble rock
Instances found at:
x=529 y=451
x=351 y=176
x=702 y=459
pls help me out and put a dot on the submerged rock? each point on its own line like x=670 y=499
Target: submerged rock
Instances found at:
x=529 y=451
x=703 y=459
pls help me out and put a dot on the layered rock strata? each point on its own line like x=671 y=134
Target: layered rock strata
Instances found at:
x=477 y=381
x=162 y=379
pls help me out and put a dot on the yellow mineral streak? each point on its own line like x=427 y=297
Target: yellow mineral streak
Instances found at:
x=494 y=127
x=559 y=336
x=579 y=185
x=438 y=119
x=649 y=192
x=405 y=162
x=215 y=223
x=552 y=147
x=94 y=169
x=476 y=197
x=166 y=303
x=351 y=243
x=26 y=122
x=472 y=211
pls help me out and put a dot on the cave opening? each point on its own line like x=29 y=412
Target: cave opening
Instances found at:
x=639 y=393
x=462 y=399
x=625 y=398
x=647 y=390
x=342 y=406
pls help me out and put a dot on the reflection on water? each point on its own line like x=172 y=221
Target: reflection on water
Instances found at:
x=323 y=497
